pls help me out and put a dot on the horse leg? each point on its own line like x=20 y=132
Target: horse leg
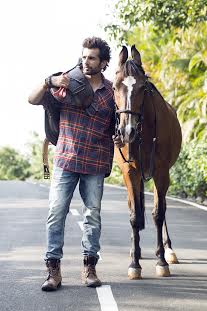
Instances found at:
x=161 y=185
x=170 y=255
x=132 y=242
x=142 y=204
x=132 y=181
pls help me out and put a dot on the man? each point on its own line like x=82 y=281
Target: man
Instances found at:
x=84 y=154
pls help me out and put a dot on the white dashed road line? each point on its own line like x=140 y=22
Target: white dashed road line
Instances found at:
x=106 y=298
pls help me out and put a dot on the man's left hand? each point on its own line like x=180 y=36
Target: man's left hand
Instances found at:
x=117 y=141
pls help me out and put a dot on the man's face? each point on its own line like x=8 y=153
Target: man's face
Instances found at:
x=91 y=62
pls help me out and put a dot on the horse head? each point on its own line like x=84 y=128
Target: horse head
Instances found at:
x=129 y=86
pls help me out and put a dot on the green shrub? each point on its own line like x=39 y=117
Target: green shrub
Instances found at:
x=13 y=165
x=189 y=174
x=116 y=176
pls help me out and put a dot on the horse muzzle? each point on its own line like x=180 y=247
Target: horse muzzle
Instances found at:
x=128 y=134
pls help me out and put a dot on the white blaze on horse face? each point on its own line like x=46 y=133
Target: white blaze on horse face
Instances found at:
x=129 y=82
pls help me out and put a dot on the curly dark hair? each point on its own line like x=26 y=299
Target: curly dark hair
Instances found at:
x=102 y=45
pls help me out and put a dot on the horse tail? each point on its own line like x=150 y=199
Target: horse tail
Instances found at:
x=141 y=220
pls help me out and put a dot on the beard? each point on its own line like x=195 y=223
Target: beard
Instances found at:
x=91 y=71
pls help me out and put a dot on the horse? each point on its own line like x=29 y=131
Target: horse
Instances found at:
x=150 y=130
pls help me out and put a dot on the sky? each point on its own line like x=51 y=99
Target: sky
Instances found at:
x=38 y=38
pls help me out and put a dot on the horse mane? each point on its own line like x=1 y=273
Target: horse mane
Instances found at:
x=156 y=89
x=132 y=69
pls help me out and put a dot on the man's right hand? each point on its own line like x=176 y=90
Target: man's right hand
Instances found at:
x=60 y=81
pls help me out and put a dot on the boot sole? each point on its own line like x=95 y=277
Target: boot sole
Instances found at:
x=51 y=289
x=93 y=285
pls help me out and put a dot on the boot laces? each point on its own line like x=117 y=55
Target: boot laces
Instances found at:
x=53 y=271
x=91 y=271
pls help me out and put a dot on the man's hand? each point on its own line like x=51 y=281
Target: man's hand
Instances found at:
x=117 y=141
x=60 y=81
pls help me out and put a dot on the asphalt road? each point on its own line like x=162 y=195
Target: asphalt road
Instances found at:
x=23 y=212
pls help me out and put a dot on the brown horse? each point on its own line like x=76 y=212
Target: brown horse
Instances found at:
x=149 y=127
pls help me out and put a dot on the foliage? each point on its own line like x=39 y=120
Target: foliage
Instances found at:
x=178 y=65
x=163 y=15
x=35 y=151
x=13 y=165
x=189 y=174
x=116 y=176
x=186 y=61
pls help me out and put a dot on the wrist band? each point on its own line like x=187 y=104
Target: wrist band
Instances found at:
x=48 y=81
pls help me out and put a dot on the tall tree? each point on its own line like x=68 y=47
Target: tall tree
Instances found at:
x=163 y=15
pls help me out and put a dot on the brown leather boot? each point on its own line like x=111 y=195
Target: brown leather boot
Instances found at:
x=53 y=281
x=89 y=276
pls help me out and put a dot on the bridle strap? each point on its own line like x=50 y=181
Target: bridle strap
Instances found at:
x=128 y=111
x=123 y=157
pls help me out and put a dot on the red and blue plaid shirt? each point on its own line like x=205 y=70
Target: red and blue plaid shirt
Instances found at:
x=85 y=142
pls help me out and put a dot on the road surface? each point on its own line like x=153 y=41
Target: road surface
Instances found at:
x=23 y=212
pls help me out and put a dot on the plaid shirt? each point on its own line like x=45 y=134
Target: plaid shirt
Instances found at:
x=85 y=142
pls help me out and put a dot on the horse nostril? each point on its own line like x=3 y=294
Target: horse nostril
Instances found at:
x=132 y=134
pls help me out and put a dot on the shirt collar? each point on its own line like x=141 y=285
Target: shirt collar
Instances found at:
x=103 y=85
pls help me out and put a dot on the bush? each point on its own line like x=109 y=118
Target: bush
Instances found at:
x=189 y=174
x=13 y=165
x=116 y=176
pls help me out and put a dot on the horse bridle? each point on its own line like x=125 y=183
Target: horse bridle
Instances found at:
x=138 y=131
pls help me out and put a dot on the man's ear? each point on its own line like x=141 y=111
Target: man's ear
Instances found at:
x=103 y=64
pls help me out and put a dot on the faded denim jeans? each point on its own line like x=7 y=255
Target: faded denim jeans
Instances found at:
x=61 y=192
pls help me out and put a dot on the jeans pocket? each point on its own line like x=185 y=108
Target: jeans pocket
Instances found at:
x=57 y=173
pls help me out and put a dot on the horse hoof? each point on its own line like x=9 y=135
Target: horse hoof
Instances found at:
x=170 y=256
x=134 y=273
x=162 y=271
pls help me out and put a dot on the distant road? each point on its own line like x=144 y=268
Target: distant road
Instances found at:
x=23 y=212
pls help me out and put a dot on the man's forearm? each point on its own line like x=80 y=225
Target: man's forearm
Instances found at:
x=37 y=95
x=55 y=81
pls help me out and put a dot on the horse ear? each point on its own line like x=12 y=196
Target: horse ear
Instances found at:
x=123 y=55
x=136 y=56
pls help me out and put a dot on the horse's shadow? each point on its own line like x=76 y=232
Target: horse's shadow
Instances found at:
x=199 y=261
x=189 y=261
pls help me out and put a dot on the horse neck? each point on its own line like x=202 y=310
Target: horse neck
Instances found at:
x=149 y=110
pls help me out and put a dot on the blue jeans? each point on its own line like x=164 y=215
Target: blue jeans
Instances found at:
x=61 y=192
